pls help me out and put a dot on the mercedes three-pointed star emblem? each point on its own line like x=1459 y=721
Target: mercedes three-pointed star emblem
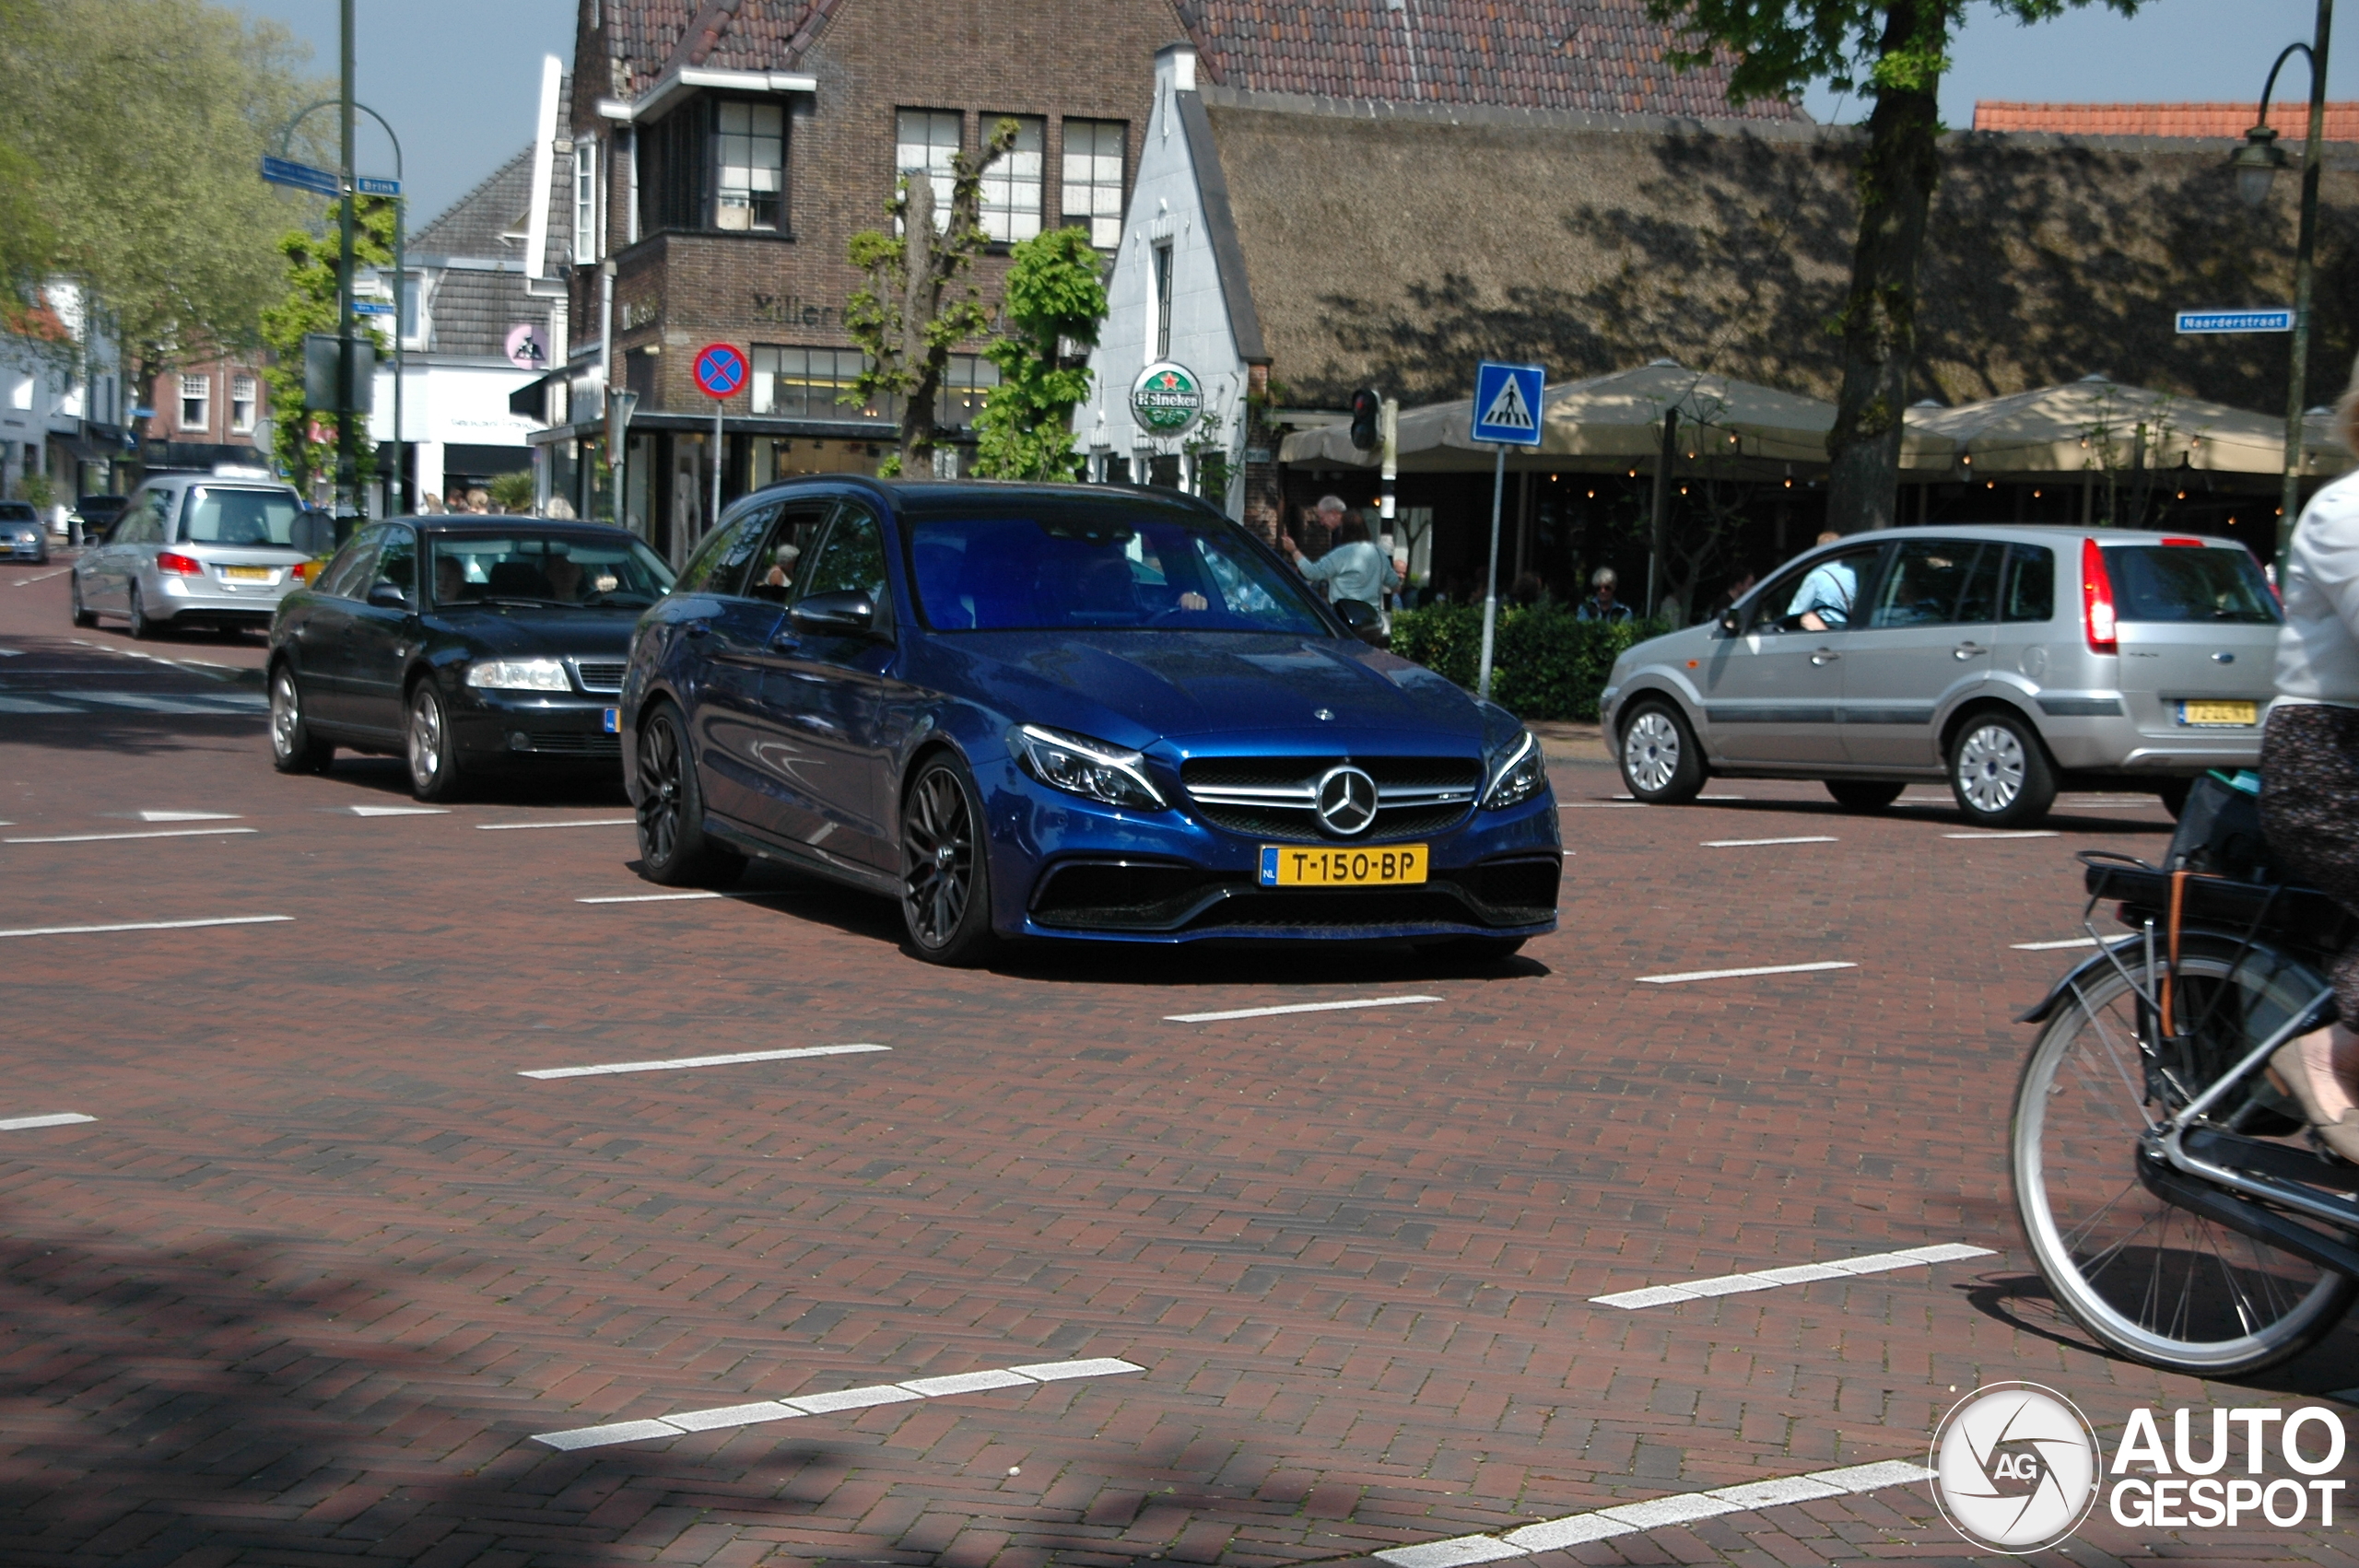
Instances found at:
x=1346 y=799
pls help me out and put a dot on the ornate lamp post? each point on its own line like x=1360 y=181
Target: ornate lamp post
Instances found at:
x=2256 y=164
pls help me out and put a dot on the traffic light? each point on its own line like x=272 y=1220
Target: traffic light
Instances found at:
x=1365 y=407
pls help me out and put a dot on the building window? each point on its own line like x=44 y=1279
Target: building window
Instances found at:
x=808 y=383
x=965 y=380
x=1093 y=179
x=413 y=328
x=196 y=403
x=927 y=141
x=1012 y=186
x=1162 y=252
x=241 y=406
x=753 y=168
x=586 y=247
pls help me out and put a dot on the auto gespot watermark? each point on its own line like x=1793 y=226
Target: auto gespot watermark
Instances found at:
x=2017 y=1468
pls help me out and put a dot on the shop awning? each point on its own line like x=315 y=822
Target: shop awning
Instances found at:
x=2096 y=425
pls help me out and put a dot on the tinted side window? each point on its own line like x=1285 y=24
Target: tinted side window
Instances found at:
x=1938 y=582
x=713 y=569
x=352 y=565
x=852 y=559
x=778 y=560
x=2031 y=583
x=397 y=560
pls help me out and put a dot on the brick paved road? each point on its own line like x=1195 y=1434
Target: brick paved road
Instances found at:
x=323 y=1264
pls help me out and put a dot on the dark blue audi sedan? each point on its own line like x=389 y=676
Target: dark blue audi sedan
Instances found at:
x=1055 y=712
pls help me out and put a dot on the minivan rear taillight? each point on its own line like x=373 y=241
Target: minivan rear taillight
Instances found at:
x=179 y=565
x=2096 y=600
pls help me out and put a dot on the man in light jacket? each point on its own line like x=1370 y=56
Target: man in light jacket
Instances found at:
x=1354 y=569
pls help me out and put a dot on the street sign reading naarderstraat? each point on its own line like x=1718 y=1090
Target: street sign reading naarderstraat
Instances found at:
x=2209 y=321
x=302 y=176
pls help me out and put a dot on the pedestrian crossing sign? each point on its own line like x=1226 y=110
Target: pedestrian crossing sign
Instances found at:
x=1508 y=403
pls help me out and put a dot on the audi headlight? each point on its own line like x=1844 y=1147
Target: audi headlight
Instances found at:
x=519 y=675
x=1523 y=775
x=1080 y=766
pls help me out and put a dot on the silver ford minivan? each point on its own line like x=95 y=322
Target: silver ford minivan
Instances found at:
x=195 y=549
x=2008 y=660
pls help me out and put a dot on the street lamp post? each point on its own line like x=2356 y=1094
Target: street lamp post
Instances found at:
x=2256 y=164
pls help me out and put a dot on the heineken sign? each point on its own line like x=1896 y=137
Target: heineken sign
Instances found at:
x=1167 y=400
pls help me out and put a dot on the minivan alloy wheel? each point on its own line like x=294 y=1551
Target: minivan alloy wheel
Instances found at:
x=1653 y=748
x=1990 y=767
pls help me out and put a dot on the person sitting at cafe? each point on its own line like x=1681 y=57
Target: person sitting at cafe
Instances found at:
x=1600 y=604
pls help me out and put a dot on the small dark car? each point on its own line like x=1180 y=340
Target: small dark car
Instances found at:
x=460 y=642
x=1070 y=711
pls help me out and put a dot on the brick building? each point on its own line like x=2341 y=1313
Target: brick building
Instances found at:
x=208 y=414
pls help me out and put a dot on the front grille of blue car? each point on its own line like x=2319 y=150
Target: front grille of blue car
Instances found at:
x=1271 y=797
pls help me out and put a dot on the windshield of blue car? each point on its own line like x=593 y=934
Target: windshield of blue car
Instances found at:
x=1089 y=567
x=218 y=515
x=547 y=569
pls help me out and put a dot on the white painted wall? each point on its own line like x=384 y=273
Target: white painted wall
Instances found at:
x=1164 y=205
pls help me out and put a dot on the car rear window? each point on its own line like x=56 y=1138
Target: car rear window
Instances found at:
x=2178 y=583
x=220 y=516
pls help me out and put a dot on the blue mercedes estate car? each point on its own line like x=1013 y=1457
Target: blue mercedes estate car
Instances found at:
x=1051 y=711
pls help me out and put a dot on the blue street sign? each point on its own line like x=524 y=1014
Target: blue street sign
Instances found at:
x=302 y=176
x=2235 y=320
x=720 y=370
x=372 y=307
x=368 y=187
x=1507 y=402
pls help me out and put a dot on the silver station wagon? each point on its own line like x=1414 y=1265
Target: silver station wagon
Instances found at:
x=2008 y=660
x=192 y=549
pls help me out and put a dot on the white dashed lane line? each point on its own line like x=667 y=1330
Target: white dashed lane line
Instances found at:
x=149 y=926
x=1297 y=1007
x=108 y=837
x=586 y=821
x=27 y=1123
x=1797 y=1274
x=397 y=811
x=761 y=1411
x=649 y=897
x=673 y=1064
x=1754 y=843
x=2068 y=941
x=1741 y=974
x=1631 y=1518
x=41 y=576
x=190 y=816
x=1699 y=797
x=2028 y=833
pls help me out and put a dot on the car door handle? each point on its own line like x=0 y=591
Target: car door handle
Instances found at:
x=786 y=642
x=697 y=628
x=1969 y=651
x=1825 y=656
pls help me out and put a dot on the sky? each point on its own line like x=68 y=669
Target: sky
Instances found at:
x=459 y=78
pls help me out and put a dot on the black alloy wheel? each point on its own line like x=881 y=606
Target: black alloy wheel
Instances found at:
x=293 y=748
x=83 y=615
x=140 y=627
x=945 y=880
x=1863 y=794
x=673 y=847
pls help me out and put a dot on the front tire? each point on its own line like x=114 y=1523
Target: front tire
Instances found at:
x=1660 y=762
x=430 y=748
x=142 y=629
x=672 y=849
x=945 y=873
x=1999 y=772
x=1863 y=794
x=292 y=747
x=83 y=615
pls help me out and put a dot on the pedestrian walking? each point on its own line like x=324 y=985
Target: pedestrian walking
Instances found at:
x=1354 y=569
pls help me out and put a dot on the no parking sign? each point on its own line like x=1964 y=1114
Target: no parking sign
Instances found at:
x=720 y=370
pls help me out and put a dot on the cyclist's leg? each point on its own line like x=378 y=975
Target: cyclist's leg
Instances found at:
x=2309 y=809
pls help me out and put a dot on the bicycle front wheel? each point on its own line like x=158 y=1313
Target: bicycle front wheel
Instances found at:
x=2155 y=1281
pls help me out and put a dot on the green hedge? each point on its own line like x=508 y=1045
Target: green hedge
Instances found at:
x=1548 y=664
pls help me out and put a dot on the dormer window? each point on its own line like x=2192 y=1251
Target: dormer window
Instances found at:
x=715 y=165
x=753 y=168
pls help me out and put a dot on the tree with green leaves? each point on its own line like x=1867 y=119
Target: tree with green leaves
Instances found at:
x=1056 y=296
x=1895 y=50
x=913 y=310
x=310 y=305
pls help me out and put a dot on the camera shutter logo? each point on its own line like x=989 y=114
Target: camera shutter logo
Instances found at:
x=2015 y=1468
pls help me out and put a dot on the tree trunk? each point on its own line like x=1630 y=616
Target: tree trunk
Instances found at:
x=921 y=258
x=1879 y=320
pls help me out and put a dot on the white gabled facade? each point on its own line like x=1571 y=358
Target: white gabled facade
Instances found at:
x=61 y=402
x=1178 y=203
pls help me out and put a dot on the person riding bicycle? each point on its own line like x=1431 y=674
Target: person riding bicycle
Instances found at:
x=2309 y=774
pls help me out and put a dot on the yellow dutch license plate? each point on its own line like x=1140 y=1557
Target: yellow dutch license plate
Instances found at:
x=1392 y=866
x=2244 y=713
x=246 y=574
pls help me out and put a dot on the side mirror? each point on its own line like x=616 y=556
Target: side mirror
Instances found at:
x=387 y=596
x=313 y=533
x=1362 y=618
x=848 y=613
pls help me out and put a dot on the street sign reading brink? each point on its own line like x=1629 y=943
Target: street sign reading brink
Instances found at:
x=1507 y=402
x=302 y=176
x=2234 y=320
x=374 y=187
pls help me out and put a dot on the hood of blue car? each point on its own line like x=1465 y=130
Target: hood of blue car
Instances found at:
x=1136 y=687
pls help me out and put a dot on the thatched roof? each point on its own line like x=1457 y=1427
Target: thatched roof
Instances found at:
x=1394 y=248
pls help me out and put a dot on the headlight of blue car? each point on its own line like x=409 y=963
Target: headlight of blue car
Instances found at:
x=1519 y=775
x=1082 y=767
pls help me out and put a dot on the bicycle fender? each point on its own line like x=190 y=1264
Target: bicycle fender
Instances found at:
x=2065 y=988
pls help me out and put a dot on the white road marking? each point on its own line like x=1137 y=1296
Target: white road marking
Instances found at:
x=2028 y=833
x=24 y=1123
x=1298 y=1007
x=104 y=838
x=399 y=811
x=673 y=1064
x=1741 y=973
x=1799 y=1274
x=586 y=821
x=212 y=704
x=841 y=1399
x=191 y=816
x=1751 y=843
x=149 y=926
x=1602 y=806
x=1699 y=797
x=11 y=653
x=44 y=577
x=1630 y=1518
x=2069 y=942
x=647 y=897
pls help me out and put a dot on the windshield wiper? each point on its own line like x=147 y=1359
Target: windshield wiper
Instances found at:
x=522 y=600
